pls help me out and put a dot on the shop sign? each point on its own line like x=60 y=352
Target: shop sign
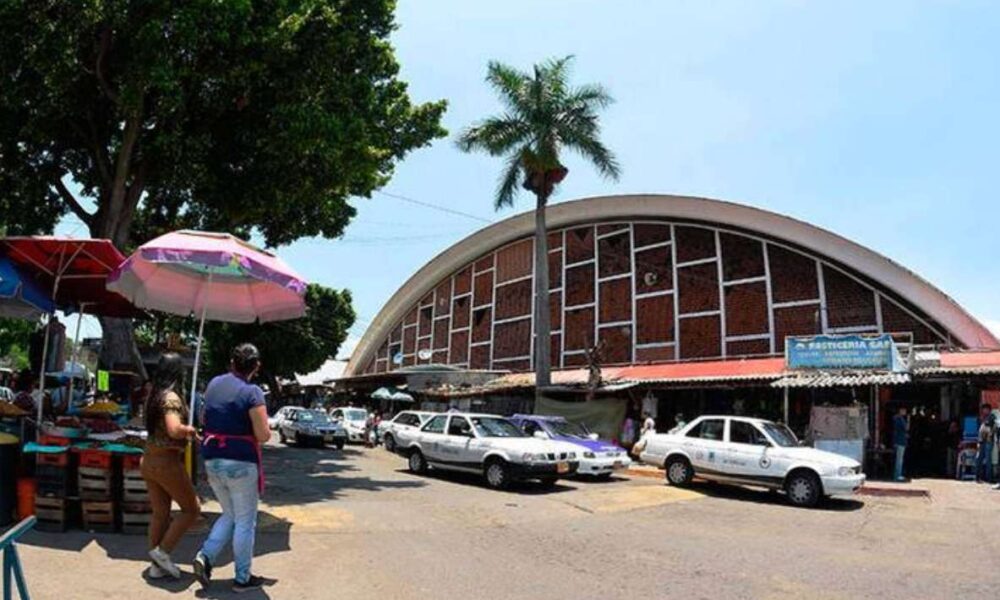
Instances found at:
x=843 y=352
x=103 y=381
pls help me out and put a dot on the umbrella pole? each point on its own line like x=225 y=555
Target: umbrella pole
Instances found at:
x=41 y=378
x=189 y=453
x=76 y=355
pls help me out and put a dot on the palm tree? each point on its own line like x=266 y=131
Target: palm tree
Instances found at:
x=543 y=115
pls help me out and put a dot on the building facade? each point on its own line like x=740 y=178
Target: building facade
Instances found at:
x=653 y=279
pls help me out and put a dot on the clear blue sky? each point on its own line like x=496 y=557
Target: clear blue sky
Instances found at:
x=875 y=120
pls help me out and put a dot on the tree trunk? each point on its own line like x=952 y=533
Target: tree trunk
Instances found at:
x=118 y=349
x=543 y=359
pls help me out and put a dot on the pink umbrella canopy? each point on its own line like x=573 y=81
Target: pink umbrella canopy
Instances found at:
x=216 y=276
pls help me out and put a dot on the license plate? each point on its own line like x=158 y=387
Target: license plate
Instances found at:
x=562 y=467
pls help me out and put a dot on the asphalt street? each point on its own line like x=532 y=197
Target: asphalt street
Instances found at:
x=355 y=524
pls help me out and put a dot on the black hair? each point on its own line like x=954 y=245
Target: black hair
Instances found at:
x=245 y=359
x=169 y=377
x=25 y=381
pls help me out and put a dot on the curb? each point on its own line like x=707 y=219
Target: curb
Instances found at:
x=894 y=492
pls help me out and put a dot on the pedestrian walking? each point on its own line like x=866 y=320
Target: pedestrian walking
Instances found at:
x=162 y=466
x=987 y=433
x=900 y=433
x=235 y=428
x=648 y=425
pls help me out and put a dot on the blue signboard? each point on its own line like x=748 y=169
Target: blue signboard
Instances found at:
x=843 y=352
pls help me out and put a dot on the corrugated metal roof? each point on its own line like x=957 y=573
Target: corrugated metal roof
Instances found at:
x=751 y=369
x=840 y=379
x=962 y=363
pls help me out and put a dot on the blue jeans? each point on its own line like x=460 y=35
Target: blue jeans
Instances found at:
x=984 y=462
x=900 y=452
x=235 y=485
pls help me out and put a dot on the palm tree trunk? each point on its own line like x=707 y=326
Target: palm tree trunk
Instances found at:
x=543 y=360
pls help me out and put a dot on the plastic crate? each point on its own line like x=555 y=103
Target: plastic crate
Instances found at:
x=131 y=462
x=60 y=459
x=53 y=440
x=135 y=517
x=95 y=459
x=52 y=514
x=52 y=481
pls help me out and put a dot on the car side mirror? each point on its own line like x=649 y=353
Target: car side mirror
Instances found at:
x=540 y=435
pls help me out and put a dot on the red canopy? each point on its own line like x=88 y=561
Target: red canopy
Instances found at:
x=73 y=272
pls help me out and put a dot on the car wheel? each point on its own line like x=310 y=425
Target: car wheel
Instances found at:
x=803 y=488
x=497 y=474
x=339 y=444
x=281 y=437
x=679 y=471
x=390 y=443
x=417 y=462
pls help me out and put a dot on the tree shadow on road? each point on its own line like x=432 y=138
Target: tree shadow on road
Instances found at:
x=763 y=496
x=297 y=476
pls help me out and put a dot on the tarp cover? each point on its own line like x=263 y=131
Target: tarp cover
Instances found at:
x=602 y=416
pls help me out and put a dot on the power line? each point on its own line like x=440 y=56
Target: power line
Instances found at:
x=434 y=206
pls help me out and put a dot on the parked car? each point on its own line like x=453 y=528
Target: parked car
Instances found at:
x=274 y=420
x=407 y=419
x=354 y=421
x=488 y=445
x=747 y=451
x=598 y=458
x=311 y=427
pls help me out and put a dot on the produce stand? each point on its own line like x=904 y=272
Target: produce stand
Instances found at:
x=84 y=472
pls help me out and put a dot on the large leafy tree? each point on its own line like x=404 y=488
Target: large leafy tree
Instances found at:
x=543 y=116
x=15 y=340
x=251 y=116
x=288 y=347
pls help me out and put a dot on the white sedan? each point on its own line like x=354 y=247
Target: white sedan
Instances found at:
x=354 y=420
x=275 y=420
x=404 y=421
x=754 y=452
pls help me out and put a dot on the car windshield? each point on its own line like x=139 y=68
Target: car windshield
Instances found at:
x=496 y=427
x=781 y=435
x=567 y=429
x=313 y=416
x=355 y=415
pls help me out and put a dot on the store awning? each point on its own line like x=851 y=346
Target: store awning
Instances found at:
x=963 y=363
x=720 y=371
x=814 y=379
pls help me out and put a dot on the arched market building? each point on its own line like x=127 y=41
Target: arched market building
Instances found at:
x=690 y=302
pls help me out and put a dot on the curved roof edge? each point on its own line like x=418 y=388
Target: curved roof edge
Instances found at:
x=938 y=305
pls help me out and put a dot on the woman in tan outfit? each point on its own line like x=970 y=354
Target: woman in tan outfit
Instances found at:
x=163 y=465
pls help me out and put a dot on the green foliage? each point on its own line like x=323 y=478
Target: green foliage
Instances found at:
x=543 y=114
x=241 y=116
x=15 y=338
x=288 y=347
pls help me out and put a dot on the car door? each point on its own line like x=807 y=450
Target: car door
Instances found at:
x=457 y=443
x=431 y=437
x=748 y=452
x=705 y=445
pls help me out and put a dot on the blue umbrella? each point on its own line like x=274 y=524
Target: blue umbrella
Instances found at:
x=19 y=297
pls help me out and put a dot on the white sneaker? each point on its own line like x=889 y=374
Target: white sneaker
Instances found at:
x=162 y=560
x=997 y=486
x=155 y=572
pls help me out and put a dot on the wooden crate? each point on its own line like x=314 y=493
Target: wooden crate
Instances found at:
x=52 y=513
x=98 y=516
x=135 y=517
x=94 y=484
x=134 y=487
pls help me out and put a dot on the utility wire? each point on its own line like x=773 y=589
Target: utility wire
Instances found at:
x=434 y=206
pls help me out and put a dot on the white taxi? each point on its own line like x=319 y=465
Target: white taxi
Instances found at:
x=756 y=452
x=486 y=444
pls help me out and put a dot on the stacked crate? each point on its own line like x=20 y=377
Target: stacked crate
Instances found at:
x=135 y=508
x=55 y=480
x=95 y=480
